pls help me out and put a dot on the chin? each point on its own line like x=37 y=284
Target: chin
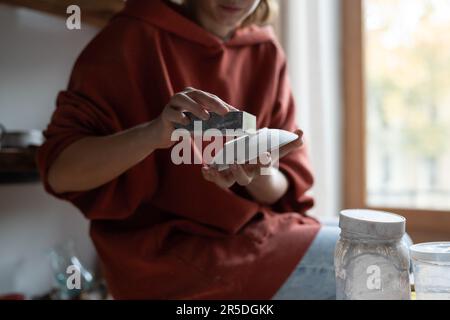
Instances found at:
x=229 y=21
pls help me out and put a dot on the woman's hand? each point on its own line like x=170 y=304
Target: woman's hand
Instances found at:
x=198 y=102
x=107 y=157
x=243 y=174
x=263 y=181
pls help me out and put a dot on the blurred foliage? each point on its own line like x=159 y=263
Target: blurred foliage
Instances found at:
x=408 y=74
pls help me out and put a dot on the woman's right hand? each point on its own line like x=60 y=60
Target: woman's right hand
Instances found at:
x=107 y=157
x=198 y=102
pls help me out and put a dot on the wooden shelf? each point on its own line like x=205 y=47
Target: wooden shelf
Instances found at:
x=94 y=12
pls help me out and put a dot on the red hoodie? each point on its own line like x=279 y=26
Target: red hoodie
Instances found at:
x=161 y=230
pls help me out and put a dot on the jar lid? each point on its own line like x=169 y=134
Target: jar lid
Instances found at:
x=431 y=251
x=371 y=224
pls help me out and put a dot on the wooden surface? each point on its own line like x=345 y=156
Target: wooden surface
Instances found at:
x=95 y=12
x=422 y=225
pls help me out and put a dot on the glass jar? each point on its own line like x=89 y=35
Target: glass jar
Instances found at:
x=371 y=259
x=67 y=268
x=431 y=265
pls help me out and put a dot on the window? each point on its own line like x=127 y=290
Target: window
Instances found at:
x=407 y=63
x=397 y=104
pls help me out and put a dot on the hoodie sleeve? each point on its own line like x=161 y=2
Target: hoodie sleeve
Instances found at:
x=296 y=164
x=103 y=85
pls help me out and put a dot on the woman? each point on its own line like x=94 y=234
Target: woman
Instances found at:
x=164 y=231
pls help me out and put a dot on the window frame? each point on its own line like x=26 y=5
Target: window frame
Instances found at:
x=422 y=225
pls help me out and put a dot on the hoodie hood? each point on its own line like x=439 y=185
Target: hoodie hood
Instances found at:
x=163 y=16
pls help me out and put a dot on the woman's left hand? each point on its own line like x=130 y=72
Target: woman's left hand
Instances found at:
x=263 y=181
x=243 y=174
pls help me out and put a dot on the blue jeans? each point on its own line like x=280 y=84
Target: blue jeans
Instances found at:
x=314 y=278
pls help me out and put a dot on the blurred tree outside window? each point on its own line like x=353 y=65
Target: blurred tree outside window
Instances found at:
x=407 y=69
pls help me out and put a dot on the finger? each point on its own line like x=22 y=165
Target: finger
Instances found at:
x=298 y=143
x=181 y=101
x=263 y=161
x=240 y=175
x=209 y=101
x=230 y=107
x=207 y=174
x=226 y=178
x=175 y=116
x=251 y=170
x=222 y=180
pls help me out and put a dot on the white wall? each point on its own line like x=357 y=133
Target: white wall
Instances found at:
x=311 y=37
x=36 y=55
